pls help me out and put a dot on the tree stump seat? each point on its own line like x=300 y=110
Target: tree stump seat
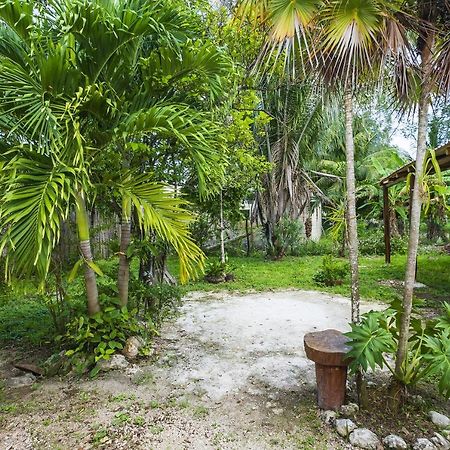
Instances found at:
x=328 y=350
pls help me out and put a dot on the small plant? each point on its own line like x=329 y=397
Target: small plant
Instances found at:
x=121 y=418
x=332 y=273
x=428 y=346
x=91 y=339
x=218 y=271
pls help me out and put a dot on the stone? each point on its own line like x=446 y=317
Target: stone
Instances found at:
x=132 y=346
x=116 y=362
x=393 y=441
x=32 y=368
x=439 y=419
x=328 y=416
x=349 y=410
x=24 y=380
x=364 y=438
x=344 y=426
x=424 y=444
x=56 y=364
x=440 y=442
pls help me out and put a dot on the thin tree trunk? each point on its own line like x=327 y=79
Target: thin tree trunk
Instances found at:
x=351 y=204
x=222 y=232
x=415 y=211
x=90 y=280
x=123 y=278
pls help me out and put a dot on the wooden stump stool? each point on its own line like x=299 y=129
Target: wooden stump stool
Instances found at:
x=328 y=350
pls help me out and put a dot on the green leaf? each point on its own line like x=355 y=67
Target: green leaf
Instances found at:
x=74 y=271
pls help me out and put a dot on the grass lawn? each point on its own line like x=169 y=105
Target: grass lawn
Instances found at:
x=255 y=273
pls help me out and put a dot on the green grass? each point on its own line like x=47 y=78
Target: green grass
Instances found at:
x=24 y=319
x=255 y=273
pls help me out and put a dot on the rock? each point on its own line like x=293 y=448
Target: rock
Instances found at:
x=439 y=419
x=423 y=444
x=344 y=426
x=32 y=368
x=393 y=441
x=349 y=410
x=328 y=416
x=440 y=442
x=58 y=363
x=364 y=438
x=24 y=380
x=116 y=362
x=132 y=346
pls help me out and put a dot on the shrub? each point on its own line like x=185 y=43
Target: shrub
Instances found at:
x=92 y=338
x=287 y=237
x=324 y=246
x=155 y=301
x=332 y=272
x=372 y=243
x=217 y=271
x=429 y=346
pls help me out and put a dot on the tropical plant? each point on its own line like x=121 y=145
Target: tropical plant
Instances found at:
x=81 y=82
x=374 y=342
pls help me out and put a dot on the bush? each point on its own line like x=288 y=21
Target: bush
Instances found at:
x=429 y=346
x=287 y=237
x=325 y=246
x=372 y=243
x=155 y=301
x=92 y=338
x=217 y=271
x=332 y=273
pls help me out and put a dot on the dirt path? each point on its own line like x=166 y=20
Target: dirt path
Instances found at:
x=231 y=374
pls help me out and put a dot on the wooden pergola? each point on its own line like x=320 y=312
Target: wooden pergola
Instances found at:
x=443 y=159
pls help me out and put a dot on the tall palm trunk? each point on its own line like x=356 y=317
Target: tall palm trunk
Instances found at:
x=123 y=278
x=90 y=280
x=351 y=204
x=416 y=205
x=222 y=231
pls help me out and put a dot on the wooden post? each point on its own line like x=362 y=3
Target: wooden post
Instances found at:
x=328 y=349
x=387 y=225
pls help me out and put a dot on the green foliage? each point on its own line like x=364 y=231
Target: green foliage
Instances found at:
x=286 y=239
x=428 y=346
x=216 y=268
x=91 y=339
x=308 y=247
x=25 y=320
x=155 y=301
x=371 y=242
x=332 y=272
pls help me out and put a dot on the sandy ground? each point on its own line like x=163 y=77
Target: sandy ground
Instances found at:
x=230 y=373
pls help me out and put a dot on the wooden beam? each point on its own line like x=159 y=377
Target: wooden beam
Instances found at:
x=387 y=225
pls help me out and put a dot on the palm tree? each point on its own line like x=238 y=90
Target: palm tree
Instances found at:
x=433 y=73
x=346 y=42
x=65 y=101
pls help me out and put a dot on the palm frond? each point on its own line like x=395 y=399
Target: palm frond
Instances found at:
x=159 y=210
x=36 y=199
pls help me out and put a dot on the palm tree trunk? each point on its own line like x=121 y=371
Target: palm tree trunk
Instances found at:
x=222 y=231
x=90 y=281
x=123 y=278
x=415 y=209
x=351 y=204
